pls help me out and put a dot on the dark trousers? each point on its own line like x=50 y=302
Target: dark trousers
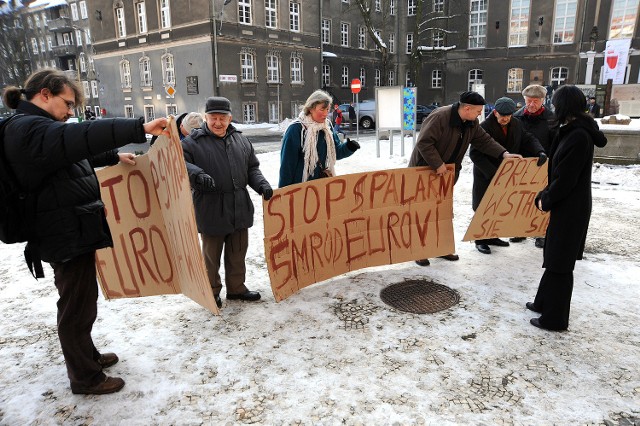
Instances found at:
x=235 y=251
x=554 y=299
x=77 y=311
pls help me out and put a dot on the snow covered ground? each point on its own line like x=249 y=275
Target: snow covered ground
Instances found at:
x=334 y=353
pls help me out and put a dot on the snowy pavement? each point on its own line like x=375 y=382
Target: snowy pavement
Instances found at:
x=334 y=353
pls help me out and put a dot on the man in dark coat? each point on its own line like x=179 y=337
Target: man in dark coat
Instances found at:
x=53 y=162
x=593 y=109
x=352 y=116
x=567 y=198
x=537 y=120
x=446 y=134
x=511 y=135
x=221 y=163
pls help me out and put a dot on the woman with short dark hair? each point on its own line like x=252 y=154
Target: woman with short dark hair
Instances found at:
x=567 y=198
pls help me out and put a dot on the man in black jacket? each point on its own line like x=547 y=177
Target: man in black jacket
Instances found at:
x=221 y=164
x=53 y=162
x=511 y=135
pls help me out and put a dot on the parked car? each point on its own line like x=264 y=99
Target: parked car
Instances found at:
x=422 y=111
x=366 y=111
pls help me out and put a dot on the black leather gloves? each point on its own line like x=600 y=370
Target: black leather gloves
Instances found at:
x=267 y=192
x=205 y=183
x=352 y=145
x=542 y=158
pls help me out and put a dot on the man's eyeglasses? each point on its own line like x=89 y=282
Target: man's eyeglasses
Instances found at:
x=70 y=104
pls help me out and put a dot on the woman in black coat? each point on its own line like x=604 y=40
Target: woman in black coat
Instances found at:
x=568 y=199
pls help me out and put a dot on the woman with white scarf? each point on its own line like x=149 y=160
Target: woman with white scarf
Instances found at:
x=305 y=153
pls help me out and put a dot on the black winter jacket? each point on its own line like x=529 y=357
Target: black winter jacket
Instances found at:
x=54 y=162
x=539 y=126
x=233 y=165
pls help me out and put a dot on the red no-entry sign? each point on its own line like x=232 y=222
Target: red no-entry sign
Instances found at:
x=355 y=85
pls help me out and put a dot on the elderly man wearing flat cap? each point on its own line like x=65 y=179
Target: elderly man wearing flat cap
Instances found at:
x=512 y=136
x=537 y=120
x=445 y=136
x=221 y=163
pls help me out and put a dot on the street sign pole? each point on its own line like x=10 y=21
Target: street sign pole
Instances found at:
x=355 y=89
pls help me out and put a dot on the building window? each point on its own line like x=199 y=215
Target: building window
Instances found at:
x=296 y=108
x=344 y=34
x=392 y=43
x=378 y=36
x=326 y=31
x=378 y=7
x=83 y=62
x=87 y=36
x=558 y=76
x=83 y=10
x=519 y=23
x=294 y=16
x=475 y=77
x=172 y=109
x=249 y=113
x=436 y=79
x=271 y=13
x=565 y=21
x=85 y=88
x=128 y=111
x=362 y=37
x=391 y=78
x=34 y=45
x=94 y=88
x=409 y=43
x=412 y=7
x=247 y=61
x=96 y=110
x=438 y=5
x=623 y=19
x=244 y=12
x=514 y=80
x=74 y=12
x=438 y=39
x=326 y=75
x=168 y=70
x=407 y=79
x=43 y=46
x=49 y=42
x=392 y=7
x=345 y=76
x=165 y=14
x=145 y=72
x=78 y=38
x=273 y=68
x=149 y=113
x=296 y=68
x=363 y=76
x=36 y=20
x=274 y=112
x=377 y=78
x=121 y=28
x=141 y=17
x=478 y=24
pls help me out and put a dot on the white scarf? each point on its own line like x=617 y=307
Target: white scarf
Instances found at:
x=310 y=131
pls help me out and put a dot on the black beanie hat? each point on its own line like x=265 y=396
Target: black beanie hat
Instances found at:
x=471 y=98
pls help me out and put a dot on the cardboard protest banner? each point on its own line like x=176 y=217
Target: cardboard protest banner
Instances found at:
x=323 y=228
x=150 y=214
x=507 y=208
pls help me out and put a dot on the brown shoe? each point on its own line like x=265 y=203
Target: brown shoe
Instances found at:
x=110 y=385
x=107 y=360
x=423 y=262
x=451 y=257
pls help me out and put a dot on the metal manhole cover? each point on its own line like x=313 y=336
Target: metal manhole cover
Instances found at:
x=419 y=296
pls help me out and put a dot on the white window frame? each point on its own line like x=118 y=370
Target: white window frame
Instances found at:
x=171 y=109
x=274 y=112
x=273 y=68
x=244 y=12
x=121 y=23
x=392 y=42
x=249 y=112
x=344 y=34
x=478 y=15
x=377 y=81
x=141 y=16
x=564 y=21
x=43 y=46
x=271 y=13
x=83 y=62
x=626 y=13
x=49 y=42
x=78 y=37
x=296 y=68
x=149 y=113
x=87 y=36
x=362 y=37
x=392 y=7
x=168 y=69
x=409 y=45
x=326 y=75
x=94 y=89
x=391 y=78
x=407 y=78
x=34 y=45
x=326 y=31
x=83 y=10
x=345 y=76
x=165 y=14
x=438 y=6
x=377 y=6
x=363 y=76
x=74 y=11
x=475 y=75
x=247 y=66
x=519 y=22
x=86 y=89
x=558 y=76
x=437 y=39
x=412 y=7
x=146 y=79
x=515 y=78
x=436 y=79
x=128 y=111
x=294 y=16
